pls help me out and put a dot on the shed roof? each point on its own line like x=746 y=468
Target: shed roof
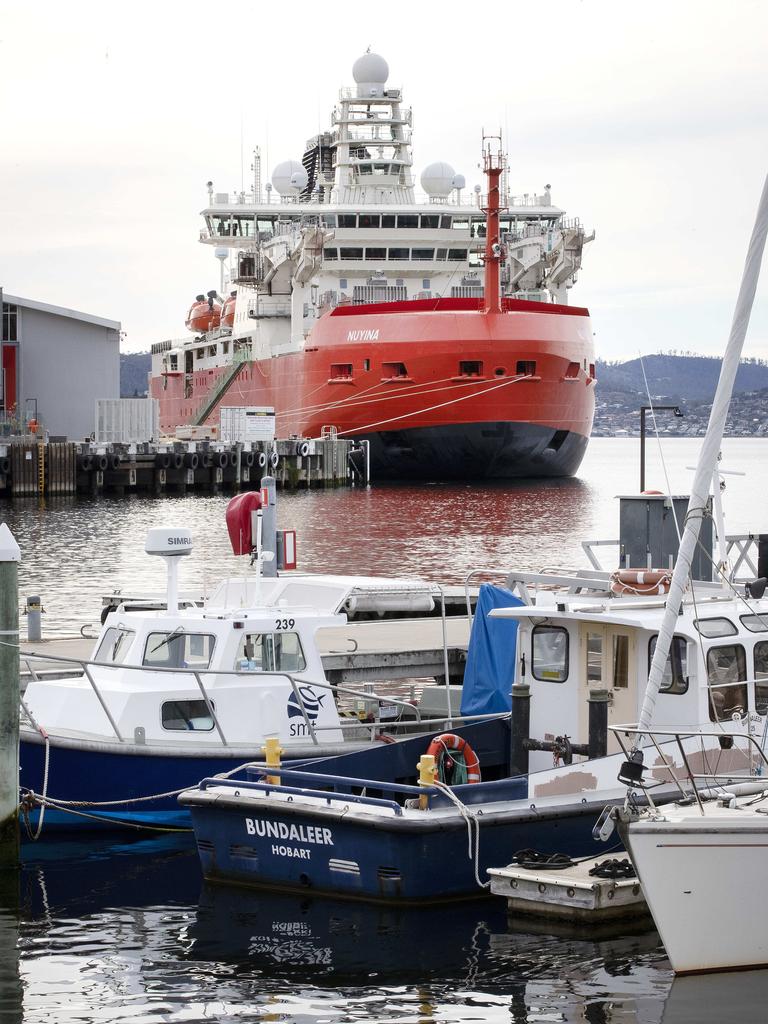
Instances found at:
x=46 y=307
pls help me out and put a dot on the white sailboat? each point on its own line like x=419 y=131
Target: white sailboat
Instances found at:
x=702 y=860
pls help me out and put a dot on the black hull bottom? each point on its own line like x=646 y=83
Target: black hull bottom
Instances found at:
x=476 y=451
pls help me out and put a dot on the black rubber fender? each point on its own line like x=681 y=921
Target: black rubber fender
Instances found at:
x=163 y=460
x=191 y=460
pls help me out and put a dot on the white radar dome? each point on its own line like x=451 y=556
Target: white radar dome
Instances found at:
x=437 y=179
x=371 y=73
x=459 y=181
x=289 y=178
x=220 y=252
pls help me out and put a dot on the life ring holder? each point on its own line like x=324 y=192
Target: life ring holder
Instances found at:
x=641 y=582
x=449 y=741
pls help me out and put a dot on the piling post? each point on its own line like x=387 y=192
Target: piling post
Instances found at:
x=598 y=722
x=521 y=726
x=9 y=698
x=269 y=524
x=34 y=618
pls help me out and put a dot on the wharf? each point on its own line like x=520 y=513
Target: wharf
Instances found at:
x=44 y=468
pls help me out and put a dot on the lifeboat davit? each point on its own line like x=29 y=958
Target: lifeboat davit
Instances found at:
x=204 y=314
x=228 y=310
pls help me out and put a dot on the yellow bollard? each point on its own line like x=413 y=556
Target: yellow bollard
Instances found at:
x=272 y=752
x=427 y=771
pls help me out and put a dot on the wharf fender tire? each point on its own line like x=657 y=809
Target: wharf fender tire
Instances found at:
x=5 y=466
x=262 y=460
x=274 y=460
x=163 y=460
x=448 y=741
x=222 y=460
x=192 y=460
x=207 y=459
x=115 y=460
x=178 y=460
x=102 y=462
x=302 y=449
x=248 y=459
x=86 y=463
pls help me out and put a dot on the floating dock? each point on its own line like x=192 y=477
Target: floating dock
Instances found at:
x=571 y=894
x=45 y=468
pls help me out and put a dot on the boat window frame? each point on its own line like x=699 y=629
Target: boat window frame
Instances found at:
x=125 y=632
x=755 y=615
x=673 y=687
x=550 y=628
x=733 y=631
x=726 y=687
x=761 y=707
x=187 y=717
x=181 y=633
x=269 y=653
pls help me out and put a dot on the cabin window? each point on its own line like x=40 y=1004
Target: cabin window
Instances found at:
x=430 y=220
x=407 y=220
x=755 y=623
x=441 y=254
x=675 y=678
x=715 y=627
x=270 y=652
x=398 y=254
x=368 y=220
x=351 y=254
x=621 y=661
x=115 y=645
x=549 y=653
x=387 y=220
x=594 y=659
x=526 y=368
x=761 y=677
x=445 y=222
x=347 y=220
x=178 y=649
x=459 y=255
x=174 y=361
x=186 y=716
x=727 y=673
x=422 y=254
x=330 y=254
x=375 y=253
x=460 y=224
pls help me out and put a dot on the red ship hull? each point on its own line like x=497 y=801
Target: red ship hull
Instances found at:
x=441 y=389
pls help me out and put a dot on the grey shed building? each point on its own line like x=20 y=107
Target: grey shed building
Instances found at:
x=55 y=363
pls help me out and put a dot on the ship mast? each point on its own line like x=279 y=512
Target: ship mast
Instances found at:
x=494 y=167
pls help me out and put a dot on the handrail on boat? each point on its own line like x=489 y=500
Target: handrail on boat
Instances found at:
x=323 y=794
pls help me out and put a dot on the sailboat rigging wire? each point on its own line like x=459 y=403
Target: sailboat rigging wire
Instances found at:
x=707 y=460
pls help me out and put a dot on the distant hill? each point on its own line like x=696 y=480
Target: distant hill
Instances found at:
x=134 y=367
x=681 y=378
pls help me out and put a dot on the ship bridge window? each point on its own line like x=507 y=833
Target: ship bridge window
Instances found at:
x=330 y=254
x=387 y=220
x=549 y=653
x=458 y=255
x=365 y=169
x=407 y=220
x=199 y=353
x=115 y=645
x=369 y=220
x=212 y=350
x=475 y=259
x=461 y=224
x=329 y=220
x=441 y=254
x=727 y=674
x=398 y=254
x=221 y=225
x=270 y=652
x=178 y=649
x=445 y=222
x=266 y=225
x=675 y=678
x=761 y=677
x=430 y=220
x=375 y=253
x=422 y=254
x=351 y=254
x=715 y=627
x=347 y=220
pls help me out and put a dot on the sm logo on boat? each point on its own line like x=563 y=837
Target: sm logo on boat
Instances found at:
x=305 y=705
x=369 y=335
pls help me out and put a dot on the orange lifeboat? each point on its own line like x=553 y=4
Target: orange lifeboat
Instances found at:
x=228 y=310
x=204 y=314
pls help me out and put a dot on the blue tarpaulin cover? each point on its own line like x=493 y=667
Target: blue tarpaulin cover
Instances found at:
x=490 y=668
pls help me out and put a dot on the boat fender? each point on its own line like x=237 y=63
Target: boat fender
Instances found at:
x=102 y=462
x=5 y=466
x=262 y=460
x=192 y=460
x=222 y=459
x=86 y=463
x=302 y=449
x=274 y=460
x=163 y=460
x=641 y=581
x=207 y=459
x=114 y=460
x=441 y=746
x=247 y=459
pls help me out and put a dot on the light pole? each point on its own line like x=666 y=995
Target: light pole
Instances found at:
x=643 y=410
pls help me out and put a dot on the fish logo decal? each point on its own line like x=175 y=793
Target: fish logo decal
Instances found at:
x=311 y=702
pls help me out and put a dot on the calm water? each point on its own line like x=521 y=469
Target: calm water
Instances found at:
x=124 y=930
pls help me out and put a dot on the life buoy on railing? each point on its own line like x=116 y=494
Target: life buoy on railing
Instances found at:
x=262 y=460
x=641 y=581
x=448 y=742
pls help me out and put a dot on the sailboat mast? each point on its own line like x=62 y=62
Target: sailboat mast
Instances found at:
x=707 y=460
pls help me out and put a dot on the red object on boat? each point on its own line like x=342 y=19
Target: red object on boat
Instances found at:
x=239 y=521
x=228 y=310
x=204 y=315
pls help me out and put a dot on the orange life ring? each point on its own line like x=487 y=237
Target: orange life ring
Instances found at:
x=641 y=581
x=448 y=741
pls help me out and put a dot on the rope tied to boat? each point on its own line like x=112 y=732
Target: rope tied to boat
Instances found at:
x=614 y=868
x=535 y=860
x=472 y=821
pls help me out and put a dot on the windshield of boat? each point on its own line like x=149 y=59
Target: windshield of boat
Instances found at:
x=115 y=645
x=177 y=649
x=270 y=652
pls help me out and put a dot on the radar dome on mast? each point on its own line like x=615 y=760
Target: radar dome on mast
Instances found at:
x=370 y=72
x=438 y=179
x=289 y=178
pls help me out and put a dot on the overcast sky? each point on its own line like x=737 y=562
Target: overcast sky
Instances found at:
x=649 y=120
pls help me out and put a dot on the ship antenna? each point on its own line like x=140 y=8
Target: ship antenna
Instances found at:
x=494 y=166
